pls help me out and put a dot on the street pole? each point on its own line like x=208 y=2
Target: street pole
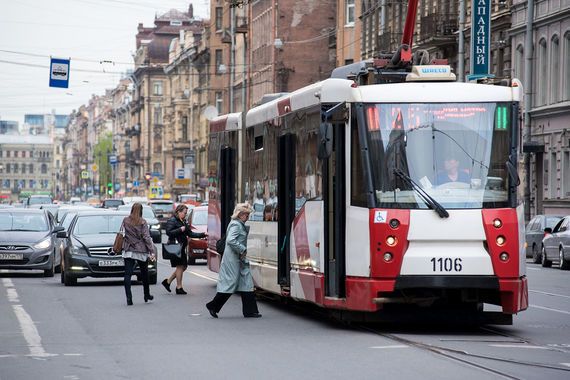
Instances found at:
x=461 y=50
x=529 y=53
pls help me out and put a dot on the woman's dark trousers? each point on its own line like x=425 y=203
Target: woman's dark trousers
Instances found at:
x=129 y=269
x=248 y=302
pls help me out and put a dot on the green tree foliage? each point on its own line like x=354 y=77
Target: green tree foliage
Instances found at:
x=101 y=154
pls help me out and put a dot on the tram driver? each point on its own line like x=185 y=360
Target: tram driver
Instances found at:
x=452 y=172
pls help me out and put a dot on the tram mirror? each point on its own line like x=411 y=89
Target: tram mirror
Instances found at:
x=513 y=173
x=325 y=141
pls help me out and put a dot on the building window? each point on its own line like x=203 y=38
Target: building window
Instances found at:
x=157 y=115
x=552 y=176
x=8 y=170
x=157 y=88
x=31 y=167
x=219 y=60
x=44 y=169
x=157 y=168
x=23 y=154
x=519 y=63
x=219 y=102
x=566 y=178
x=566 y=64
x=542 y=79
x=219 y=18
x=23 y=168
x=8 y=154
x=349 y=12
x=15 y=154
x=15 y=168
x=184 y=128
x=554 y=70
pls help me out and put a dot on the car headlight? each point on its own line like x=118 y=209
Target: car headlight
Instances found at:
x=77 y=250
x=43 y=244
x=155 y=227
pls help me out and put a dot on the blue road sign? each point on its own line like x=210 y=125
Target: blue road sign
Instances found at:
x=480 y=36
x=112 y=159
x=59 y=73
x=136 y=183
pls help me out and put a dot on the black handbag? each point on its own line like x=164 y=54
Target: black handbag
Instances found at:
x=221 y=245
x=171 y=251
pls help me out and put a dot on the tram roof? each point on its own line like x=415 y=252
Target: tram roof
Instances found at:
x=227 y=122
x=343 y=90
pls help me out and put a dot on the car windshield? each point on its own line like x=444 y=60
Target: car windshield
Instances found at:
x=23 y=222
x=456 y=153
x=552 y=220
x=200 y=217
x=148 y=212
x=162 y=207
x=98 y=224
x=39 y=200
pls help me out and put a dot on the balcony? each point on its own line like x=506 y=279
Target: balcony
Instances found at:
x=133 y=157
x=438 y=29
x=135 y=130
x=241 y=25
x=181 y=145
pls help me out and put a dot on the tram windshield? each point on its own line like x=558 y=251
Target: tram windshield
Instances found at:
x=456 y=153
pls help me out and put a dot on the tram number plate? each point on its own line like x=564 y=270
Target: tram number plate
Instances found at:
x=446 y=264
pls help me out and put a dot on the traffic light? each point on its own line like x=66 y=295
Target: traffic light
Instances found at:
x=147 y=176
x=110 y=188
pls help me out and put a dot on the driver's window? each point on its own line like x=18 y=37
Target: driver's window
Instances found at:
x=558 y=226
x=564 y=225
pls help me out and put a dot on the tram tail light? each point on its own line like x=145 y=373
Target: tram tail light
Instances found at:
x=497 y=223
x=501 y=240
x=504 y=256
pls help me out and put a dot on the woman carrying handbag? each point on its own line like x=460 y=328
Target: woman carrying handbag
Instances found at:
x=179 y=231
x=138 y=248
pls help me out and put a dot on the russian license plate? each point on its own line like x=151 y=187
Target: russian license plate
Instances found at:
x=11 y=256
x=198 y=250
x=111 y=263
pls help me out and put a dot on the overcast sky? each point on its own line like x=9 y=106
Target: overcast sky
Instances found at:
x=90 y=32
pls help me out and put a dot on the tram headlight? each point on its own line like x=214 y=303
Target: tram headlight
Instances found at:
x=501 y=240
x=388 y=257
x=391 y=241
x=504 y=256
x=497 y=223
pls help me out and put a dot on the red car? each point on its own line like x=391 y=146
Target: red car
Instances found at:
x=198 y=219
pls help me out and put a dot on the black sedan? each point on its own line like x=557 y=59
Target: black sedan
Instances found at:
x=28 y=240
x=556 y=245
x=89 y=247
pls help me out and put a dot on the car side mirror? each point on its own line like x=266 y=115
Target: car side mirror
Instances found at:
x=62 y=234
x=57 y=229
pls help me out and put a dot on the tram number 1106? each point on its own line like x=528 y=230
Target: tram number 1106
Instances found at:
x=446 y=264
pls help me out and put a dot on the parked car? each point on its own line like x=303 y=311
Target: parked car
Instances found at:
x=163 y=210
x=152 y=221
x=36 y=200
x=28 y=240
x=62 y=210
x=556 y=244
x=535 y=234
x=112 y=203
x=89 y=247
x=198 y=220
x=52 y=208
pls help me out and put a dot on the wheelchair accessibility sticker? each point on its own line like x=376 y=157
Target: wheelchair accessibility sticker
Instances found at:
x=380 y=216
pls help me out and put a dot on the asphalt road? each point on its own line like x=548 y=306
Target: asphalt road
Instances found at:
x=49 y=331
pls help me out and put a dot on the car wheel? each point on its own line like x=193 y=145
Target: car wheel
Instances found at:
x=564 y=264
x=152 y=279
x=49 y=272
x=69 y=280
x=545 y=263
x=536 y=256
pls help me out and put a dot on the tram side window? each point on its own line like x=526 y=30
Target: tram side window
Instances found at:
x=308 y=170
x=261 y=171
x=357 y=189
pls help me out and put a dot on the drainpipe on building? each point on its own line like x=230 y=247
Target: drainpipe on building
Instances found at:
x=232 y=55
x=461 y=50
x=529 y=53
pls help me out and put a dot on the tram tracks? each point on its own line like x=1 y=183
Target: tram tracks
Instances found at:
x=463 y=356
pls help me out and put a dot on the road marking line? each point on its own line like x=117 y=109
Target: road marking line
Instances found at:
x=72 y=354
x=549 y=294
x=520 y=346
x=393 y=346
x=550 y=309
x=203 y=276
x=12 y=295
x=528 y=268
x=8 y=282
x=31 y=334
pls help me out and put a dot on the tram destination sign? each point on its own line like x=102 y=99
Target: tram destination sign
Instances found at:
x=480 y=36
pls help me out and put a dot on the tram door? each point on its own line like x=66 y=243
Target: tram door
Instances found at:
x=286 y=205
x=334 y=181
x=227 y=185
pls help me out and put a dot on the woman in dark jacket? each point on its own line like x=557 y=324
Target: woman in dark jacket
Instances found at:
x=178 y=230
x=137 y=249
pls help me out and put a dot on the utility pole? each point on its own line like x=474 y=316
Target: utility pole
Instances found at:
x=529 y=53
x=461 y=50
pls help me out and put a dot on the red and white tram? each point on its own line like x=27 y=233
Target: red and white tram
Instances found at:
x=370 y=195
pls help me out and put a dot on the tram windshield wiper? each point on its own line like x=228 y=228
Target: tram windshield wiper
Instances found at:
x=428 y=199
